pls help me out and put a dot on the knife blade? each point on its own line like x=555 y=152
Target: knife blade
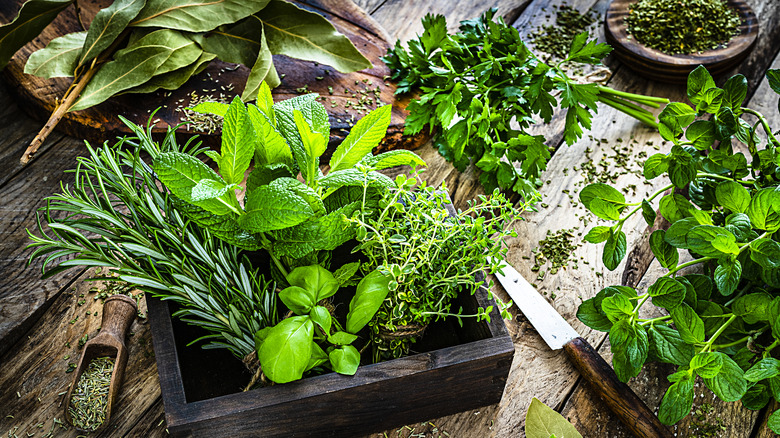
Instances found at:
x=557 y=333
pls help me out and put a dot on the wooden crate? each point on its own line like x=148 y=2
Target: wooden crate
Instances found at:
x=457 y=369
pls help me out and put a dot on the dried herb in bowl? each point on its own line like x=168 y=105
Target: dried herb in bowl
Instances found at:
x=682 y=26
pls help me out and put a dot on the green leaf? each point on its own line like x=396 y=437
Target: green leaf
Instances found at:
x=617 y=307
x=753 y=307
x=665 y=253
x=648 y=212
x=301 y=34
x=735 y=90
x=273 y=208
x=354 y=177
x=707 y=364
x=316 y=279
x=667 y=292
x=603 y=192
x=629 y=347
x=674 y=117
x=236 y=42
x=345 y=360
x=699 y=81
x=727 y=275
x=733 y=196
x=342 y=338
x=362 y=138
x=682 y=170
x=674 y=207
x=729 y=384
x=541 y=421
x=725 y=243
x=668 y=345
x=739 y=225
x=676 y=234
x=324 y=233
x=689 y=325
x=160 y=51
x=284 y=354
x=710 y=101
x=321 y=316
x=765 y=252
x=773 y=76
x=762 y=209
x=655 y=165
x=677 y=401
x=370 y=293
x=216 y=108
x=392 y=159
x=344 y=274
x=582 y=50
x=181 y=173
x=195 y=15
x=33 y=17
x=107 y=25
x=700 y=238
x=314 y=145
x=774 y=420
x=237 y=143
x=701 y=133
x=172 y=80
x=314 y=114
x=58 y=59
x=207 y=189
x=766 y=368
x=318 y=356
x=263 y=71
x=614 y=250
x=300 y=300
x=270 y=147
x=598 y=234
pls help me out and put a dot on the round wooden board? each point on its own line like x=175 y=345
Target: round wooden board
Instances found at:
x=654 y=64
x=100 y=123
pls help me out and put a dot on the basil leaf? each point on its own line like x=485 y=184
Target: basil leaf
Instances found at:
x=285 y=353
x=318 y=356
x=342 y=338
x=665 y=253
x=667 y=293
x=300 y=300
x=58 y=59
x=345 y=360
x=322 y=317
x=317 y=280
x=370 y=293
x=677 y=401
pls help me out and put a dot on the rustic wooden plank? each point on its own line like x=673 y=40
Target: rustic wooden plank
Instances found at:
x=34 y=377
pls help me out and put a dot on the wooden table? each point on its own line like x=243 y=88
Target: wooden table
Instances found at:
x=41 y=321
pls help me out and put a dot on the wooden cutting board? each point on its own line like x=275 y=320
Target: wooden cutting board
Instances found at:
x=38 y=96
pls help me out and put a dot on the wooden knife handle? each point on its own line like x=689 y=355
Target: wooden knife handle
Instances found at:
x=622 y=401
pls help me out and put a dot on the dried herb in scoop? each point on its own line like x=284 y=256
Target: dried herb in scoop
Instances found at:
x=89 y=402
x=682 y=26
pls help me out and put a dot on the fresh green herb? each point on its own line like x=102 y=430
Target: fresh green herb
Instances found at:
x=89 y=401
x=430 y=257
x=295 y=345
x=724 y=324
x=556 y=39
x=298 y=223
x=682 y=26
x=116 y=216
x=541 y=421
x=479 y=82
x=139 y=46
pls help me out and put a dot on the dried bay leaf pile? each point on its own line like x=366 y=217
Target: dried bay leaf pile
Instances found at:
x=140 y=46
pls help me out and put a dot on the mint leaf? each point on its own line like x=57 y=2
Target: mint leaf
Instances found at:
x=735 y=90
x=237 y=143
x=181 y=173
x=273 y=208
x=665 y=253
x=707 y=364
x=702 y=133
x=598 y=234
x=392 y=159
x=733 y=196
x=766 y=368
x=675 y=207
x=314 y=144
x=614 y=250
x=648 y=213
x=729 y=384
x=677 y=401
x=699 y=81
x=362 y=138
x=762 y=209
x=655 y=165
x=688 y=323
x=674 y=117
x=667 y=293
x=629 y=347
x=668 y=345
x=727 y=276
x=700 y=239
x=270 y=147
x=765 y=252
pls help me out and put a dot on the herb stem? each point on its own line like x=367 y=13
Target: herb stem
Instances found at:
x=708 y=344
x=654 y=320
x=647 y=100
x=765 y=124
x=771 y=347
x=730 y=344
x=688 y=263
x=723 y=178
x=644 y=118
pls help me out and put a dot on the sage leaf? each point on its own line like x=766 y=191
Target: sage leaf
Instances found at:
x=58 y=59
x=237 y=143
x=345 y=360
x=666 y=254
x=541 y=421
x=284 y=354
x=317 y=280
x=677 y=401
x=107 y=25
x=272 y=208
x=195 y=15
x=301 y=34
x=370 y=293
x=32 y=18
x=181 y=173
x=362 y=138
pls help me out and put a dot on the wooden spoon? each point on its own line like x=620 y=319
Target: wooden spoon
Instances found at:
x=118 y=313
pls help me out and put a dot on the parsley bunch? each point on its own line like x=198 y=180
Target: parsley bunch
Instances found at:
x=723 y=324
x=479 y=82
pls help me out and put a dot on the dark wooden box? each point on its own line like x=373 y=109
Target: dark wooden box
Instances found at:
x=456 y=369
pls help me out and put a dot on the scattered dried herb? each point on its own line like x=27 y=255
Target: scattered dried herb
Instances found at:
x=556 y=40
x=557 y=248
x=89 y=401
x=682 y=26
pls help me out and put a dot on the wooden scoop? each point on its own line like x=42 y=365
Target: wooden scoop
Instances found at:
x=118 y=313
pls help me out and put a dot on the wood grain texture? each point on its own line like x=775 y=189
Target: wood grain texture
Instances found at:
x=100 y=122
x=34 y=377
x=654 y=64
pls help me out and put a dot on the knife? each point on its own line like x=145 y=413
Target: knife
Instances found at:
x=557 y=333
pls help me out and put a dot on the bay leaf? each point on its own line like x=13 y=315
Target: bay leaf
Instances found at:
x=174 y=79
x=58 y=59
x=263 y=70
x=107 y=25
x=182 y=50
x=195 y=15
x=541 y=421
x=28 y=24
x=301 y=34
x=236 y=42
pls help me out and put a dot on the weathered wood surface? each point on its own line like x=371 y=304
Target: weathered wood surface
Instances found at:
x=536 y=371
x=342 y=91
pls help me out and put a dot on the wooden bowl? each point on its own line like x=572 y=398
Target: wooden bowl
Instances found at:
x=654 y=64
